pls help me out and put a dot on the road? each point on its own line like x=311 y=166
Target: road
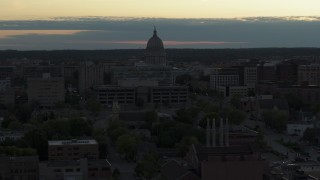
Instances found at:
x=271 y=138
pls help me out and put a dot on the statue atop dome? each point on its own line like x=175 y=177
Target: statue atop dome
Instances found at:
x=155 y=53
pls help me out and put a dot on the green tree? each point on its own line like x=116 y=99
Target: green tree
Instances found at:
x=235 y=101
x=275 y=119
x=186 y=115
x=183 y=79
x=100 y=135
x=184 y=145
x=36 y=139
x=309 y=135
x=116 y=133
x=150 y=117
x=116 y=174
x=127 y=146
x=94 y=106
x=236 y=116
x=148 y=167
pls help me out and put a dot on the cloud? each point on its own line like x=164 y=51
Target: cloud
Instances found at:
x=14 y=33
x=121 y=32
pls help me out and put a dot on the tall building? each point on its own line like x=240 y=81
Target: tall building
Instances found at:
x=46 y=90
x=309 y=74
x=89 y=76
x=224 y=77
x=155 y=53
x=250 y=76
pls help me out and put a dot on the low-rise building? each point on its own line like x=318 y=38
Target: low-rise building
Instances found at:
x=75 y=169
x=298 y=128
x=10 y=135
x=227 y=163
x=73 y=149
x=148 y=94
x=230 y=91
x=22 y=167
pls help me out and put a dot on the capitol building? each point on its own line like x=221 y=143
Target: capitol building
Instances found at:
x=150 y=80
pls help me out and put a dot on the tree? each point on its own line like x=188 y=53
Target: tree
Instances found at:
x=148 y=167
x=261 y=140
x=309 y=135
x=235 y=101
x=186 y=115
x=100 y=135
x=36 y=139
x=294 y=101
x=116 y=133
x=236 y=116
x=184 y=145
x=94 y=106
x=275 y=119
x=116 y=174
x=150 y=117
x=127 y=146
x=183 y=79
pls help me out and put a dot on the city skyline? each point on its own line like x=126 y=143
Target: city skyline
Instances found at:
x=127 y=24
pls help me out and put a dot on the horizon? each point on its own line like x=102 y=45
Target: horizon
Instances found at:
x=132 y=33
x=123 y=24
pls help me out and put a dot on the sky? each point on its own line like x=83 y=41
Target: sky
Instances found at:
x=25 y=9
x=115 y=24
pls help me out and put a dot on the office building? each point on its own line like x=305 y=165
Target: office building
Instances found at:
x=309 y=74
x=230 y=91
x=19 y=167
x=89 y=76
x=175 y=95
x=46 y=90
x=224 y=77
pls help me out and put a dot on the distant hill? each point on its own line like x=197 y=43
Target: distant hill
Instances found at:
x=186 y=55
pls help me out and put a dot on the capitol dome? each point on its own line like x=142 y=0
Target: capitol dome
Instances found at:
x=155 y=43
x=155 y=54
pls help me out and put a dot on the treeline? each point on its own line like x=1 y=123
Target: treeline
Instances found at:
x=185 y=55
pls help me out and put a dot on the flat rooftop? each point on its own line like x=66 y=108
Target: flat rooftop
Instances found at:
x=72 y=142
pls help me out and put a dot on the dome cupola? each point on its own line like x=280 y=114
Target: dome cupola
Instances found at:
x=155 y=54
x=155 y=43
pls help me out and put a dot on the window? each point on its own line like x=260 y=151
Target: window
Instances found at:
x=69 y=170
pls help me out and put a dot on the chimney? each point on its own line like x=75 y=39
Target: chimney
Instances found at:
x=208 y=133
x=227 y=133
x=213 y=131
x=221 y=132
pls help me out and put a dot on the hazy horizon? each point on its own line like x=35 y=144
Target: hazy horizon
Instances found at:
x=89 y=33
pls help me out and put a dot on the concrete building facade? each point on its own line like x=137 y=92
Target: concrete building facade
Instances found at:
x=46 y=90
x=89 y=76
x=19 y=168
x=309 y=74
